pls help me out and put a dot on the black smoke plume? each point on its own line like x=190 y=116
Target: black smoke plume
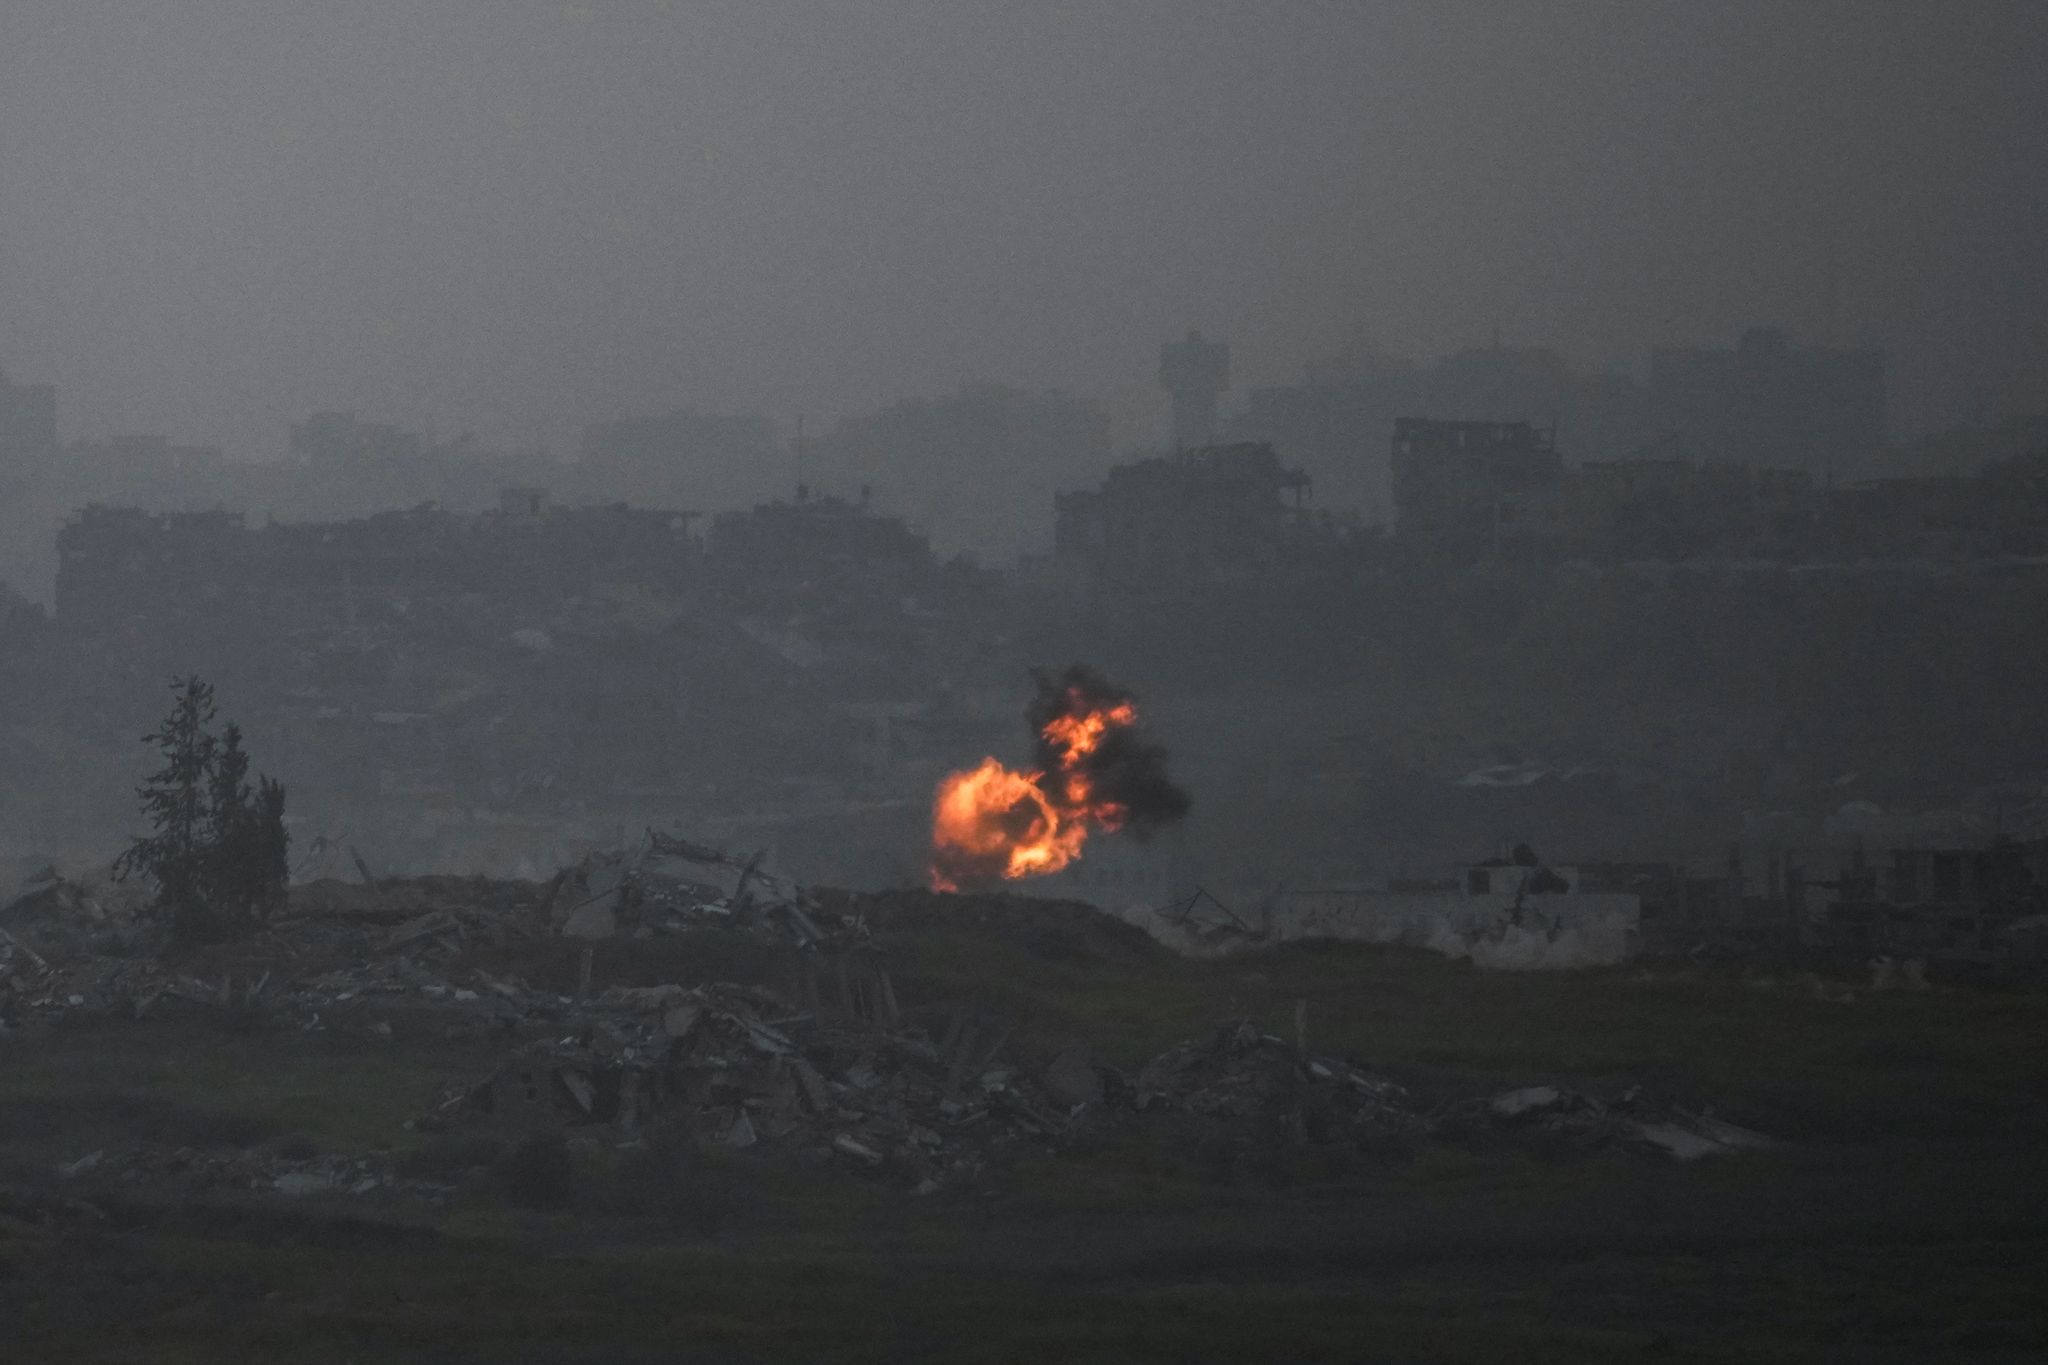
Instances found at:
x=1127 y=769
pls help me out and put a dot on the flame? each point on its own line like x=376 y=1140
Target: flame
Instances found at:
x=992 y=821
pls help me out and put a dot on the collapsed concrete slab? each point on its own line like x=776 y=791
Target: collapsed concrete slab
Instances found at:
x=1499 y=931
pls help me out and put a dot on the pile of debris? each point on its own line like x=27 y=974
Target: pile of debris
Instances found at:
x=1268 y=1090
x=664 y=883
x=830 y=1066
x=741 y=1066
x=1240 y=1074
x=70 y=913
x=1633 y=1119
x=72 y=942
x=335 y=938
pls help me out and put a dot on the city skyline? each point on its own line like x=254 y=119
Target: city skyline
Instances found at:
x=224 y=217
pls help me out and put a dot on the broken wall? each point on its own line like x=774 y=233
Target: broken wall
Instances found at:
x=1541 y=933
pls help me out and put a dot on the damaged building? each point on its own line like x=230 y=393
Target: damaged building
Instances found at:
x=1469 y=492
x=1181 y=521
x=444 y=679
x=127 y=567
x=1477 y=490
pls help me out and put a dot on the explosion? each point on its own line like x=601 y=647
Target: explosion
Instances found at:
x=1093 y=772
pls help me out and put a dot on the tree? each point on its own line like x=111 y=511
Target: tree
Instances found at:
x=248 y=868
x=269 y=849
x=175 y=801
x=228 y=783
x=217 y=852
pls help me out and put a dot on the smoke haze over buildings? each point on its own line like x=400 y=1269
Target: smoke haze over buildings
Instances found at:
x=1222 y=340
x=1454 y=490
x=522 y=219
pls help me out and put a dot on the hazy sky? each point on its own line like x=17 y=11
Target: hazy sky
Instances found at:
x=520 y=217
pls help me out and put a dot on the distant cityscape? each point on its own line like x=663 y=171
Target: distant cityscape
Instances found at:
x=473 y=658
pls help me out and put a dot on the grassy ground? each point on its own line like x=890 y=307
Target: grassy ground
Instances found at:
x=1776 y=1048
x=1908 y=1220
x=179 y=1296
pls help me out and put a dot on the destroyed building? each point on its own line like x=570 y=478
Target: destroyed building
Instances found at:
x=819 y=548
x=451 y=683
x=846 y=593
x=117 y=563
x=120 y=566
x=1767 y=403
x=1477 y=490
x=1335 y=420
x=1506 y=913
x=1484 y=491
x=1184 y=520
x=1937 y=517
x=1678 y=509
x=1956 y=899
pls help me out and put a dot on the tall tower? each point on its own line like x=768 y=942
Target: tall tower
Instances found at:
x=1195 y=372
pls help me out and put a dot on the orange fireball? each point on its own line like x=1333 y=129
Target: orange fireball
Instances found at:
x=991 y=822
x=1080 y=735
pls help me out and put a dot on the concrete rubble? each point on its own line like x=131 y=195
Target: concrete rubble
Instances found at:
x=932 y=1111
x=1240 y=1072
x=661 y=882
x=742 y=1067
x=1631 y=1119
x=1508 y=931
x=832 y=1067
x=70 y=943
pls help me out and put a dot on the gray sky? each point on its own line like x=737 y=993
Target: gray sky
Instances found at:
x=518 y=217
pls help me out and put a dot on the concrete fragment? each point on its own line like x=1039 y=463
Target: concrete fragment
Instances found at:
x=420 y=928
x=645 y=997
x=594 y=919
x=678 y=1020
x=856 y=1149
x=813 y=1085
x=1071 y=1078
x=1689 y=1137
x=1528 y=1099
x=579 y=1087
x=764 y=1038
x=88 y=1162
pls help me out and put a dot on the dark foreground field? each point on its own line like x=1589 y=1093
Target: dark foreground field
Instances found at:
x=1904 y=1217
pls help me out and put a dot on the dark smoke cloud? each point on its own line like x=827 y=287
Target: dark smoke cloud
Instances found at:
x=1127 y=769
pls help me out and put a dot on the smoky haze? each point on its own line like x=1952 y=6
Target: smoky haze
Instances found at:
x=520 y=219
x=842 y=681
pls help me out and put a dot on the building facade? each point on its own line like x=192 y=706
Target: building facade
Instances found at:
x=1184 y=519
x=1477 y=490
